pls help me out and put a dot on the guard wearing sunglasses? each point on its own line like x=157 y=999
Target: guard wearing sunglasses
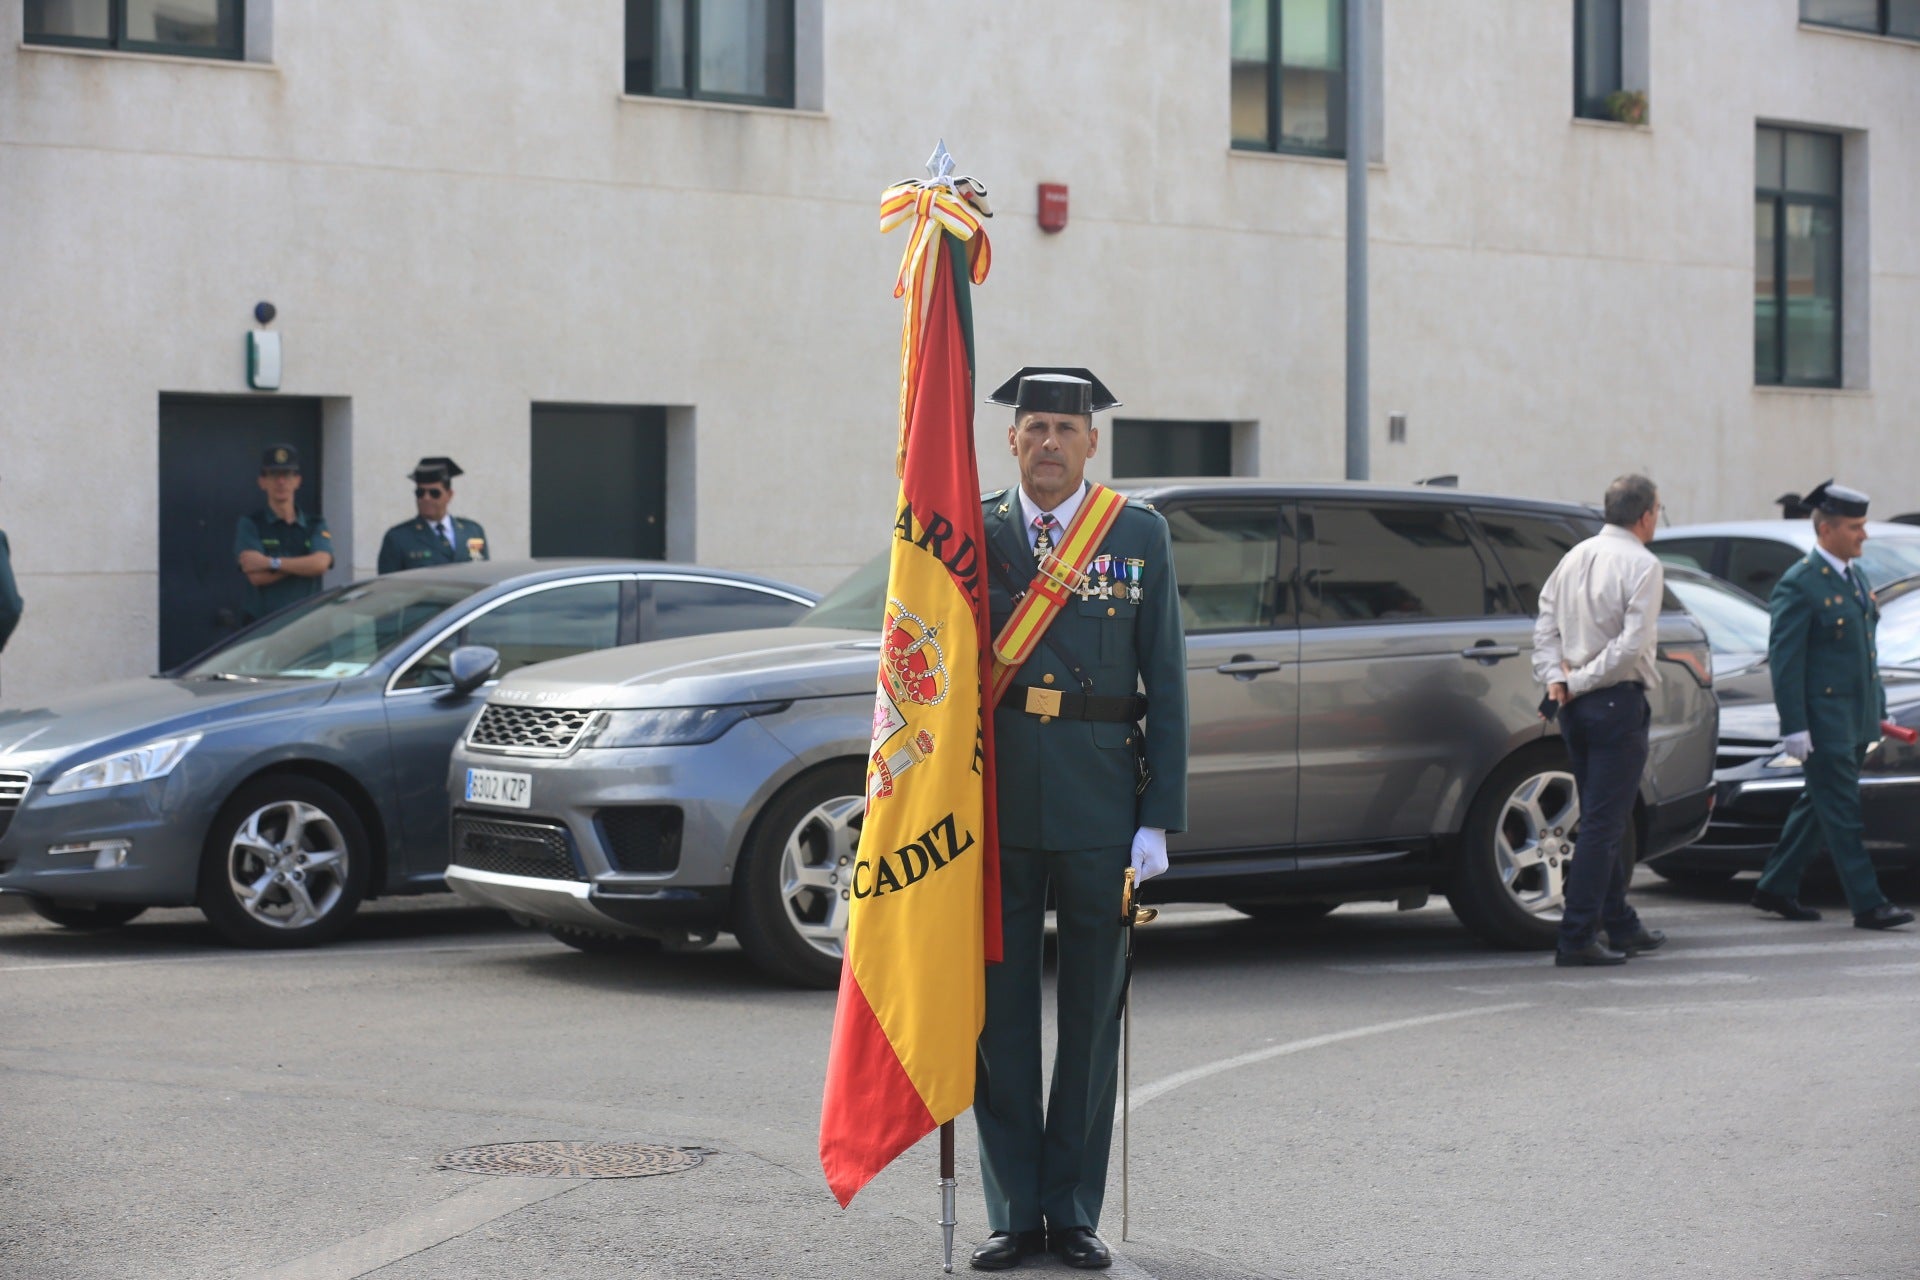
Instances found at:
x=432 y=536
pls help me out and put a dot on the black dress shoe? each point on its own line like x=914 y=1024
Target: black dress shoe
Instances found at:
x=1079 y=1247
x=1634 y=943
x=1005 y=1249
x=1593 y=953
x=1781 y=905
x=1884 y=916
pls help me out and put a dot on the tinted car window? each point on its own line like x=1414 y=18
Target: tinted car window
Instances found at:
x=1755 y=564
x=1733 y=623
x=1387 y=563
x=1695 y=553
x=1529 y=546
x=336 y=635
x=669 y=609
x=1884 y=559
x=1227 y=562
x=557 y=622
x=1898 y=635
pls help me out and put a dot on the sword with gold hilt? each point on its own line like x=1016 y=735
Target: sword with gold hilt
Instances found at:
x=1131 y=914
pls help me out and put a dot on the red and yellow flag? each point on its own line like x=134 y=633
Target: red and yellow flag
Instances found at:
x=924 y=916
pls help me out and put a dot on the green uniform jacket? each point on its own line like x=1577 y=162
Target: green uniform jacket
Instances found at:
x=271 y=536
x=11 y=605
x=414 y=544
x=1069 y=784
x=1826 y=674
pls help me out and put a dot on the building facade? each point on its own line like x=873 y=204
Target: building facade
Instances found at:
x=621 y=261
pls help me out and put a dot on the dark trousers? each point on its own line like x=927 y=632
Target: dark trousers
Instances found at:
x=1051 y=1169
x=1606 y=736
x=1828 y=810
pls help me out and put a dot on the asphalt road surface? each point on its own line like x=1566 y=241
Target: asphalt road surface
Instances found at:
x=1375 y=1095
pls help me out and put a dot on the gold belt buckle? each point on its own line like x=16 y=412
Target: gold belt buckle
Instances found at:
x=1043 y=702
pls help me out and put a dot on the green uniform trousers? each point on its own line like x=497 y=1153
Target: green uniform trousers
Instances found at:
x=1052 y=1169
x=1828 y=810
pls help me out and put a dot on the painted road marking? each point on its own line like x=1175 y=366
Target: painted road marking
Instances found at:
x=1667 y=955
x=251 y=958
x=1148 y=1092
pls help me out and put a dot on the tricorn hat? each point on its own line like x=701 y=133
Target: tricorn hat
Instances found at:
x=1835 y=500
x=435 y=471
x=1054 y=389
x=280 y=457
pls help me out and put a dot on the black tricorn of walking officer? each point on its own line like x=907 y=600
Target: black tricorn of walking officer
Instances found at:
x=1073 y=816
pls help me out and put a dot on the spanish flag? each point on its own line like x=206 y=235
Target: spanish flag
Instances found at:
x=924 y=915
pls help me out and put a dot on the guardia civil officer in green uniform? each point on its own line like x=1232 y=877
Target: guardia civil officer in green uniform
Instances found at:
x=11 y=605
x=282 y=550
x=432 y=536
x=1073 y=816
x=1826 y=684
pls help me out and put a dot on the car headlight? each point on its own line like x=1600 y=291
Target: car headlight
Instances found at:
x=142 y=764
x=673 y=726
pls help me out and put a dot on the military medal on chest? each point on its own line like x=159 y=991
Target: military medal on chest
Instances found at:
x=1136 y=570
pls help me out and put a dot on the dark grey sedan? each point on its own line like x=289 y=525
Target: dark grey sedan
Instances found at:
x=301 y=766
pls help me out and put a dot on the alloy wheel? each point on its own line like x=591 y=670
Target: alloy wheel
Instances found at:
x=816 y=872
x=287 y=865
x=1533 y=842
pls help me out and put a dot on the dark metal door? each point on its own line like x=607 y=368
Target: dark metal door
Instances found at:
x=209 y=471
x=599 y=481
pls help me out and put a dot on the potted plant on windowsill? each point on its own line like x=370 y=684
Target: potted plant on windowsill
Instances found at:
x=1628 y=106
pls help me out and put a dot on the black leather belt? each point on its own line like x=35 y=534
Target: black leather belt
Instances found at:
x=1050 y=704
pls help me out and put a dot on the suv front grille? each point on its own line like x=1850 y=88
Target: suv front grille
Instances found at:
x=1734 y=752
x=540 y=731
x=644 y=838
x=13 y=789
x=541 y=850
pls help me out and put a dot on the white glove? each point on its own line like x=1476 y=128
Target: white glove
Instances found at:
x=1797 y=745
x=1149 y=853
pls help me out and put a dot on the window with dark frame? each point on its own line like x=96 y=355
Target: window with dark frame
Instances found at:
x=1162 y=447
x=186 y=28
x=1596 y=57
x=711 y=50
x=1796 y=260
x=1288 y=76
x=1897 y=18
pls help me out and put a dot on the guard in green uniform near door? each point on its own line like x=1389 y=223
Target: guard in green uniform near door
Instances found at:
x=1826 y=685
x=433 y=536
x=1074 y=816
x=282 y=550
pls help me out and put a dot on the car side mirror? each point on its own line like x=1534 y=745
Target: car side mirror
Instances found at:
x=471 y=666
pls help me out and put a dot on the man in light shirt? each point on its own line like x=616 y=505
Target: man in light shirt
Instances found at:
x=1595 y=647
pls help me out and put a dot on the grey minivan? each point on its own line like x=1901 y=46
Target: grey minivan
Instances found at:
x=1365 y=726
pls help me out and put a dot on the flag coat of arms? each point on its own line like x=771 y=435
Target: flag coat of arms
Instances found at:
x=923 y=917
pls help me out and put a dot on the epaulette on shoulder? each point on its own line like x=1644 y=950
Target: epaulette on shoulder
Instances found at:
x=1142 y=504
x=995 y=495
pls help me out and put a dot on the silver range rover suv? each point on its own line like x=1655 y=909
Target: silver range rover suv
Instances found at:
x=1365 y=727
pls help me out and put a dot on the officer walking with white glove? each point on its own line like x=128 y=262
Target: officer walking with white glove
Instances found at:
x=1081 y=797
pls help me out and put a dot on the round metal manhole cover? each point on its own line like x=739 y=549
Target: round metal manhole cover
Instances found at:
x=572 y=1159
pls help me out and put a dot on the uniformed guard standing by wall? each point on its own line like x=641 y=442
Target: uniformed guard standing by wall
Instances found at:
x=433 y=536
x=1073 y=814
x=282 y=550
x=1826 y=684
x=11 y=606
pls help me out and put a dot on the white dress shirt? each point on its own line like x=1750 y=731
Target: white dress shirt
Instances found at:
x=1600 y=615
x=1835 y=561
x=1062 y=514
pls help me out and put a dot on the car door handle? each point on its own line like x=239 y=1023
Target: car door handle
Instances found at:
x=1244 y=666
x=1491 y=652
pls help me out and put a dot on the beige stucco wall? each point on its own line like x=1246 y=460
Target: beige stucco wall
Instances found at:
x=458 y=215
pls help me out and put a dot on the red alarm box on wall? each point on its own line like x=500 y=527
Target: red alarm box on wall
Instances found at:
x=1053 y=206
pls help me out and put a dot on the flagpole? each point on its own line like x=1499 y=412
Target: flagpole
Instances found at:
x=948 y=1218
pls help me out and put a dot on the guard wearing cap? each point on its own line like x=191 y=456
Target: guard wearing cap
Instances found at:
x=282 y=550
x=1826 y=684
x=432 y=536
x=1081 y=797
